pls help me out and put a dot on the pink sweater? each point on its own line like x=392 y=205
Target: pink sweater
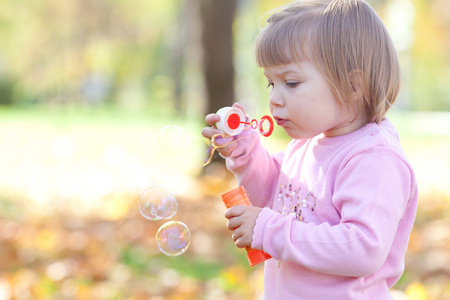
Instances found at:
x=337 y=213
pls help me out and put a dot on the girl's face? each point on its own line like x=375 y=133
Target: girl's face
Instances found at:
x=301 y=101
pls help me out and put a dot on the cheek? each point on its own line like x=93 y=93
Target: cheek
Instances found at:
x=304 y=104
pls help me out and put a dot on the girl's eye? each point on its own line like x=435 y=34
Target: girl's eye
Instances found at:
x=270 y=84
x=292 y=84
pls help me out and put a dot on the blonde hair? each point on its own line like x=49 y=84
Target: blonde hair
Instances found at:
x=342 y=37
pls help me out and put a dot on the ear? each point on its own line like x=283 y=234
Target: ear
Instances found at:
x=358 y=85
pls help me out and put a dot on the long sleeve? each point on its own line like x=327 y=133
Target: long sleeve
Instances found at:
x=255 y=168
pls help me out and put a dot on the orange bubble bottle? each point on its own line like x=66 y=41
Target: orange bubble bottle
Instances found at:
x=238 y=196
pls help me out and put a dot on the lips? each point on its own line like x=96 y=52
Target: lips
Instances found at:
x=280 y=121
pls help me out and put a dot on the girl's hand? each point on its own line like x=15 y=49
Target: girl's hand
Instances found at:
x=209 y=132
x=242 y=220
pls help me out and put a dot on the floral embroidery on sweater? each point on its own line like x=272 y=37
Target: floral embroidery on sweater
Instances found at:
x=293 y=202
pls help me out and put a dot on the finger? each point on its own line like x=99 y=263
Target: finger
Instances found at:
x=226 y=151
x=238 y=105
x=241 y=238
x=209 y=132
x=212 y=119
x=235 y=211
x=242 y=242
x=237 y=234
x=233 y=223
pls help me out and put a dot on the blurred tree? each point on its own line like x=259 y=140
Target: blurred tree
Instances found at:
x=144 y=54
x=217 y=46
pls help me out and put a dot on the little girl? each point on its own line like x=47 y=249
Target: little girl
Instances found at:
x=336 y=208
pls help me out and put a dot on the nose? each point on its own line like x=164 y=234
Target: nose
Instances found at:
x=275 y=97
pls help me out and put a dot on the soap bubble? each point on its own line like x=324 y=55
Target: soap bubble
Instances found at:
x=199 y=151
x=155 y=202
x=173 y=238
x=168 y=208
x=171 y=138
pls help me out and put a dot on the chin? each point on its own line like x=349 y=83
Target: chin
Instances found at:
x=298 y=135
x=295 y=135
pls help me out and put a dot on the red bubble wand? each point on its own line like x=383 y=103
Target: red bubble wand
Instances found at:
x=232 y=122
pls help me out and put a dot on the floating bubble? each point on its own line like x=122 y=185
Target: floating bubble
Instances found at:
x=155 y=203
x=199 y=152
x=173 y=238
x=168 y=208
x=171 y=138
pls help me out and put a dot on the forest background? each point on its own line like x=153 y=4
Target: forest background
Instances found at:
x=89 y=90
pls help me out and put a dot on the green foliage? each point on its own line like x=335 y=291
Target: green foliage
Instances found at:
x=59 y=50
x=6 y=91
x=122 y=53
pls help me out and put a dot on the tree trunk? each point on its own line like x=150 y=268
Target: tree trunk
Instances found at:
x=217 y=46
